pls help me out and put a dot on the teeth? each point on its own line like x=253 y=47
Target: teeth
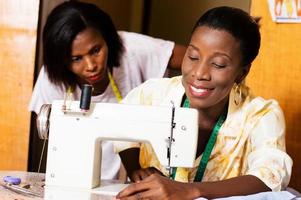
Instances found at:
x=198 y=90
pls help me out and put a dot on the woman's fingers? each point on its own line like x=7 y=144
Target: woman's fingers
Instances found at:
x=141 y=174
x=145 y=189
x=136 y=176
x=132 y=189
x=157 y=187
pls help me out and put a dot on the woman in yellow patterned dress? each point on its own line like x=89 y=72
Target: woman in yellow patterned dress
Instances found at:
x=248 y=133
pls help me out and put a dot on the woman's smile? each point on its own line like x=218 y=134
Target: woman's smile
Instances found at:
x=199 y=91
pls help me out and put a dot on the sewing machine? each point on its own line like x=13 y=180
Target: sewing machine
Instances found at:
x=75 y=136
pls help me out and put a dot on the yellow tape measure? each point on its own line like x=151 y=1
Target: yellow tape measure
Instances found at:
x=114 y=87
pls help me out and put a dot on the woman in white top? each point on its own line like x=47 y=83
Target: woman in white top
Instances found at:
x=82 y=46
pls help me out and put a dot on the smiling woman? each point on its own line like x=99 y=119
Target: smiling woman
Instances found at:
x=211 y=67
x=241 y=143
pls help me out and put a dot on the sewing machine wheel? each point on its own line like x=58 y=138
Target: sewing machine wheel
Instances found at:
x=43 y=121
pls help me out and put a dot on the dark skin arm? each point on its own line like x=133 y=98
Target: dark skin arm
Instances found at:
x=178 y=53
x=159 y=187
x=130 y=160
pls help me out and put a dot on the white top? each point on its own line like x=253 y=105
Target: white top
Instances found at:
x=144 y=57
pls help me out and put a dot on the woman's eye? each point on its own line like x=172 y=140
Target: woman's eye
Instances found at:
x=193 y=58
x=219 y=65
x=96 y=50
x=76 y=59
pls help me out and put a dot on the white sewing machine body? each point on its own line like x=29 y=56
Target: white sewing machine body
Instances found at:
x=74 y=156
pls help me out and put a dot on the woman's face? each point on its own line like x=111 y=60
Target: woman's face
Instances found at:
x=89 y=54
x=210 y=67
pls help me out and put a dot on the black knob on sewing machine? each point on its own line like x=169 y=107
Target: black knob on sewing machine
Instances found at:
x=85 y=98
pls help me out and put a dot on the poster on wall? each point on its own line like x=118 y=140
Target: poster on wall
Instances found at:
x=285 y=11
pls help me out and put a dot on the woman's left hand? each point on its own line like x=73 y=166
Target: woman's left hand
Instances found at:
x=158 y=187
x=141 y=174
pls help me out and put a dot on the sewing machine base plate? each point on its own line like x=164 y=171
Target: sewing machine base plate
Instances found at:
x=108 y=190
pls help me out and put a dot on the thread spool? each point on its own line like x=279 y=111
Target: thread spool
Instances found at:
x=85 y=98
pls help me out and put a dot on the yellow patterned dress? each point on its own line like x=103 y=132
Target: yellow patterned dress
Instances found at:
x=251 y=140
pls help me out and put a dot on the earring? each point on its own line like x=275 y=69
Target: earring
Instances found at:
x=237 y=94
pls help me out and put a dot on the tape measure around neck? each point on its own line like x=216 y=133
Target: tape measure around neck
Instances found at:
x=209 y=146
x=114 y=87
